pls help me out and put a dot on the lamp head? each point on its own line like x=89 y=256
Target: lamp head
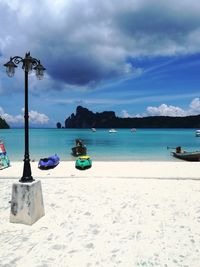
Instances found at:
x=10 y=68
x=39 y=69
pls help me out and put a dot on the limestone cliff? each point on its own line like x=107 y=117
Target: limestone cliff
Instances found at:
x=3 y=124
x=84 y=118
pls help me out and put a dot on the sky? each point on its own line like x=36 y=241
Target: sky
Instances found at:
x=134 y=57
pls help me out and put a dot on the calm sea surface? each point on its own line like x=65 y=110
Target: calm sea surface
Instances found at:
x=144 y=144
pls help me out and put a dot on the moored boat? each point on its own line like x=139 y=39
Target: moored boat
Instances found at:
x=80 y=149
x=48 y=163
x=197 y=133
x=112 y=131
x=185 y=155
x=133 y=130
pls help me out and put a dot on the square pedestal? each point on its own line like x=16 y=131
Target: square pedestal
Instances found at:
x=27 y=203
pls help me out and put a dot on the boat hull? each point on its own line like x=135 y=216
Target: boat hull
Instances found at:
x=188 y=156
x=79 y=151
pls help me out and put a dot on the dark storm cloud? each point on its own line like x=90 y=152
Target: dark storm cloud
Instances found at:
x=84 y=42
x=159 y=19
x=80 y=70
x=161 y=28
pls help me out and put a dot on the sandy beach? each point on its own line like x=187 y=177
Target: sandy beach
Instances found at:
x=115 y=214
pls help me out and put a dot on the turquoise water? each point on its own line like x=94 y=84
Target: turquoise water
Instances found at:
x=144 y=144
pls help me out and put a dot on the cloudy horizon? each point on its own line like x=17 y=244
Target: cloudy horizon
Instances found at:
x=136 y=58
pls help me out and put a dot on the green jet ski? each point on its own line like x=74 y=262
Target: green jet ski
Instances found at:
x=83 y=163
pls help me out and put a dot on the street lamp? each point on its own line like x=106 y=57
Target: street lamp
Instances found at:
x=28 y=63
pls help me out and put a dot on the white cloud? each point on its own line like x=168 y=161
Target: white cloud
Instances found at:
x=125 y=114
x=93 y=45
x=34 y=117
x=165 y=110
x=168 y=110
x=38 y=118
x=195 y=106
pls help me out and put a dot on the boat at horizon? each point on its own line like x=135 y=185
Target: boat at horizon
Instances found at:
x=112 y=131
x=197 y=133
x=133 y=130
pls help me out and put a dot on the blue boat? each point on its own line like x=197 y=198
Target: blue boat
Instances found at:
x=48 y=163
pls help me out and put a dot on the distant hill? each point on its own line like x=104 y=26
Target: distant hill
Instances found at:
x=3 y=124
x=85 y=118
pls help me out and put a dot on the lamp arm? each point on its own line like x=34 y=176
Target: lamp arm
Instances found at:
x=16 y=59
x=35 y=62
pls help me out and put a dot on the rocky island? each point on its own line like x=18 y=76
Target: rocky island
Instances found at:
x=3 y=124
x=84 y=118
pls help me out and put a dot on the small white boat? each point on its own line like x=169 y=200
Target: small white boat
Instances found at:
x=197 y=133
x=94 y=129
x=133 y=130
x=112 y=131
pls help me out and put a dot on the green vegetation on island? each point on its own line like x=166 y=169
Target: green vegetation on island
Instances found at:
x=3 y=124
x=85 y=118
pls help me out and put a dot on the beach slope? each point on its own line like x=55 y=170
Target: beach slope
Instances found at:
x=114 y=214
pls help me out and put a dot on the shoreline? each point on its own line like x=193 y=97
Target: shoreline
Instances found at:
x=111 y=169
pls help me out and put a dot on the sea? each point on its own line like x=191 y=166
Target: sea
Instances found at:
x=123 y=145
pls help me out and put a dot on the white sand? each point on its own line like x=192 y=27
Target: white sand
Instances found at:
x=134 y=169
x=107 y=217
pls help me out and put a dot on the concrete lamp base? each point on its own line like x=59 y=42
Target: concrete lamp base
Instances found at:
x=27 y=203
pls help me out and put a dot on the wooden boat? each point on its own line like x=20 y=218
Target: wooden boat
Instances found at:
x=189 y=156
x=80 y=149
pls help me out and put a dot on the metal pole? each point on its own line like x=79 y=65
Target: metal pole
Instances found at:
x=28 y=63
x=27 y=177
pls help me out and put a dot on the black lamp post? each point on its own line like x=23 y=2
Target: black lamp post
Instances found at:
x=28 y=63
